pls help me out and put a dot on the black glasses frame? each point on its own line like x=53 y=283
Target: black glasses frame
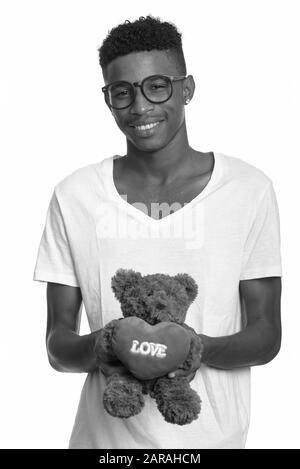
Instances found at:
x=140 y=84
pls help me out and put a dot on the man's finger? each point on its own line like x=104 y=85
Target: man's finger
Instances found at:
x=177 y=373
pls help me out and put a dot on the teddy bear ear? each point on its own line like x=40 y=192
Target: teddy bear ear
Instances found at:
x=190 y=285
x=123 y=280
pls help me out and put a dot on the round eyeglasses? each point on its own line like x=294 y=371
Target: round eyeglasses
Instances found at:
x=156 y=89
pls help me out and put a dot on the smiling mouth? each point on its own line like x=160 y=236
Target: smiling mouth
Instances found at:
x=147 y=126
x=148 y=129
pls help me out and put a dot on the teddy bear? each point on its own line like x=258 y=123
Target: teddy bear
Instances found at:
x=150 y=341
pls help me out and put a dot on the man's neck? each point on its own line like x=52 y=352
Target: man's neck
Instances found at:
x=164 y=165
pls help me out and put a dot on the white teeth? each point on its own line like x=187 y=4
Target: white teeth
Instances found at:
x=145 y=127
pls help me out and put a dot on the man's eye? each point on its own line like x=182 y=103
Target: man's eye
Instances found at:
x=122 y=93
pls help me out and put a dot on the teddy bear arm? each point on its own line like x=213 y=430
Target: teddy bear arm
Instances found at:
x=196 y=349
x=105 y=339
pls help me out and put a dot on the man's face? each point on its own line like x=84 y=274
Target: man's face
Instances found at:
x=170 y=114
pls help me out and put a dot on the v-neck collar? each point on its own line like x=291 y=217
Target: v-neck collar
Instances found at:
x=142 y=216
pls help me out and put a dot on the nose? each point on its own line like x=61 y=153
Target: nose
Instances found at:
x=140 y=105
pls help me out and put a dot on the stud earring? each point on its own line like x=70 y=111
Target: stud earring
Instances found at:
x=187 y=100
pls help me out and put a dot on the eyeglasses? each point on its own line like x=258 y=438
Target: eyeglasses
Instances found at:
x=156 y=89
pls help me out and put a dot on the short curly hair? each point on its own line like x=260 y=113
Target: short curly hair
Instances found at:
x=144 y=34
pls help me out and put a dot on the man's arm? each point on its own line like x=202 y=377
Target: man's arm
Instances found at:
x=67 y=350
x=260 y=341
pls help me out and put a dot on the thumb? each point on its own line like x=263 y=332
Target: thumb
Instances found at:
x=177 y=374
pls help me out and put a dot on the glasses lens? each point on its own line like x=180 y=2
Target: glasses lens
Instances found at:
x=157 y=88
x=120 y=94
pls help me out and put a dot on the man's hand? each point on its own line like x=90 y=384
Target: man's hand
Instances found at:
x=193 y=362
x=188 y=373
x=106 y=360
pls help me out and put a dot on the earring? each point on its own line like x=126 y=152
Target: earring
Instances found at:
x=187 y=100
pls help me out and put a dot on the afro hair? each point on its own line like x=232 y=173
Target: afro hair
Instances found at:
x=144 y=34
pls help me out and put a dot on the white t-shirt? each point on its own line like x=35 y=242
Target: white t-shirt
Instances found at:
x=229 y=232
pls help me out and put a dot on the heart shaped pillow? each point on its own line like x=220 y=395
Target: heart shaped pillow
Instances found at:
x=150 y=351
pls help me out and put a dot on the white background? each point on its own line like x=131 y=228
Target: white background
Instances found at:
x=244 y=57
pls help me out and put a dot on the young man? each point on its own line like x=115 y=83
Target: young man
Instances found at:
x=163 y=207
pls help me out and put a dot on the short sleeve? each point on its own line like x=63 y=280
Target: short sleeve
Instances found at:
x=54 y=260
x=262 y=254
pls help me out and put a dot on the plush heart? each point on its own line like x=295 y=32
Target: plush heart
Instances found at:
x=150 y=351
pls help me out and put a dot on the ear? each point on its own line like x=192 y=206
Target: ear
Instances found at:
x=189 y=284
x=123 y=280
x=189 y=89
